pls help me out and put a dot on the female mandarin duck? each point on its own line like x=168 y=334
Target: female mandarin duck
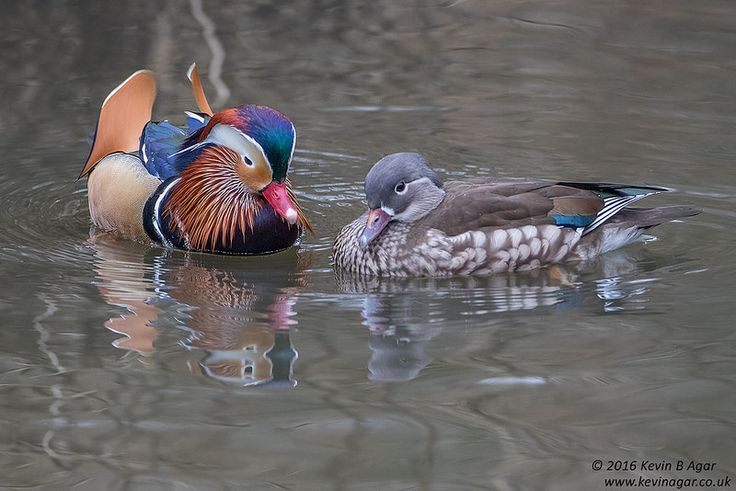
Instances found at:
x=219 y=186
x=418 y=226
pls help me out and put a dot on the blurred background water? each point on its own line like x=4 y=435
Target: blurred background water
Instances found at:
x=130 y=367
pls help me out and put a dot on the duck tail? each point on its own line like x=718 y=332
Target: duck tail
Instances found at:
x=644 y=218
x=628 y=225
x=123 y=115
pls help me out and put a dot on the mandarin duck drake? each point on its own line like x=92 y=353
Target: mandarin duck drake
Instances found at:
x=220 y=185
x=419 y=226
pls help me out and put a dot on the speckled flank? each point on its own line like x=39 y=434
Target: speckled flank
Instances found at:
x=437 y=254
x=511 y=249
x=379 y=258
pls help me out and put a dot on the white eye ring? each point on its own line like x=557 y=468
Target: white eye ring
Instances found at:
x=400 y=188
x=248 y=162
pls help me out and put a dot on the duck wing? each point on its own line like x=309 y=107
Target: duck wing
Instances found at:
x=166 y=149
x=123 y=115
x=487 y=204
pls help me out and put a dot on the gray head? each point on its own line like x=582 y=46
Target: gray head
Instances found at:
x=401 y=187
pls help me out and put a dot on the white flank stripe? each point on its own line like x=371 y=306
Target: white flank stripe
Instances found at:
x=157 y=207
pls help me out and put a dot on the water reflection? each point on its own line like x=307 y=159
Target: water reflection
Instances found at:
x=237 y=320
x=402 y=326
x=238 y=315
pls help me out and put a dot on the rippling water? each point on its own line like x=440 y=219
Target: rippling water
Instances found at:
x=124 y=366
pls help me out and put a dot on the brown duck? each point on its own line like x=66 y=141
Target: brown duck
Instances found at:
x=418 y=226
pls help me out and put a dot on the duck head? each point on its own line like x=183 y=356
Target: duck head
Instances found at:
x=400 y=187
x=257 y=143
x=231 y=170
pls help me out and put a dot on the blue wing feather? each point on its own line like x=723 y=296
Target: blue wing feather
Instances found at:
x=158 y=142
x=163 y=147
x=196 y=121
x=574 y=221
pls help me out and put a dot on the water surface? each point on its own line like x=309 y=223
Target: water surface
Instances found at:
x=124 y=366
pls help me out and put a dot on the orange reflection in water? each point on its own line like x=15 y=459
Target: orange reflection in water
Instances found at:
x=239 y=318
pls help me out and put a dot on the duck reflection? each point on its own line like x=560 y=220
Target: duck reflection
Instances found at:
x=124 y=281
x=241 y=321
x=238 y=315
x=404 y=315
x=402 y=326
x=398 y=354
x=238 y=319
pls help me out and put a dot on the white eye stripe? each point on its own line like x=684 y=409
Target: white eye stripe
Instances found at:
x=425 y=198
x=293 y=143
x=236 y=140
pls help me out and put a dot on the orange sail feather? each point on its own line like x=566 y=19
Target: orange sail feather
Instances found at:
x=198 y=89
x=123 y=116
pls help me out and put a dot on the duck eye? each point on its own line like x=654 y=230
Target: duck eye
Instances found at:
x=400 y=187
x=247 y=161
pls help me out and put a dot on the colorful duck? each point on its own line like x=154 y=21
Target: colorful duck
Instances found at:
x=419 y=226
x=219 y=185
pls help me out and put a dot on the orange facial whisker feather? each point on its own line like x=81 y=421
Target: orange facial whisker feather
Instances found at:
x=211 y=204
x=210 y=199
